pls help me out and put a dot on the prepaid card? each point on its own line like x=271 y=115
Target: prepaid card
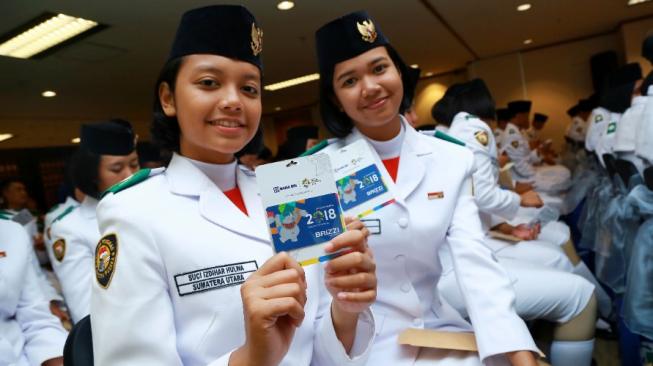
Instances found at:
x=362 y=187
x=302 y=207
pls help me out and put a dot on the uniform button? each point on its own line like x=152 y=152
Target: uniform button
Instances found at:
x=417 y=322
x=405 y=287
x=403 y=222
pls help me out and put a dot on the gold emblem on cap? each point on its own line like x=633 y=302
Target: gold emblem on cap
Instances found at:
x=257 y=40
x=367 y=30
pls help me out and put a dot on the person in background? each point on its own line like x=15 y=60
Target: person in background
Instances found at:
x=106 y=156
x=30 y=335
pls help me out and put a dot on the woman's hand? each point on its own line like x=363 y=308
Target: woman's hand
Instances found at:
x=351 y=280
x=525 y=232
x=531 y=199
x=273 y=303
x=522 y=358
x=53 y=362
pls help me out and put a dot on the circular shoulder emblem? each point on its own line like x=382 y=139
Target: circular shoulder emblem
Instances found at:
x=105 y=259
x=59 y=249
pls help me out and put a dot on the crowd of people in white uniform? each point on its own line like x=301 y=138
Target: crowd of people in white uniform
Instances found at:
x=493 y=231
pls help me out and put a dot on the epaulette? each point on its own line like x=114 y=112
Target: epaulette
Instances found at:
x=320 y=145
x=64 y=213
x=443 y=136
x=136 y=178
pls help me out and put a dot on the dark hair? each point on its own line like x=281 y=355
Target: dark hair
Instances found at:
x=165 y=130
x=337 y=121
x=443 y=110
x=474 y=98
x=646 y=83
x=617 y=99
x=84 y=170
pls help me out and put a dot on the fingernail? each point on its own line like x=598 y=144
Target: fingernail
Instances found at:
x=342 y=296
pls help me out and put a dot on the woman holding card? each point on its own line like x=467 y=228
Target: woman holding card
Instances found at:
x=362 y=83
x=185 y=272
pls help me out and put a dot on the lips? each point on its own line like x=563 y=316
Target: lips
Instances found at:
x=377 y=103
x=226 y=123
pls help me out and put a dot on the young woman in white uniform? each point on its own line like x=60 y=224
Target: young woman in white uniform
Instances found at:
x=29 y=333
x=106 y=156
x=543 y=283
x=185 y=271
x=362 y=95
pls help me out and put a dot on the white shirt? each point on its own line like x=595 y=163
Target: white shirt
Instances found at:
x=74 y=238
x=165 y=303
x=598 y=122
x=411 y=233
x=644 y=145
x=29 y=333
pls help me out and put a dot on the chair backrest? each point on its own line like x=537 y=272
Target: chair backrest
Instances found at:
x=608 y=160
x=625 y=169
x=648 y=177
x=78 y=350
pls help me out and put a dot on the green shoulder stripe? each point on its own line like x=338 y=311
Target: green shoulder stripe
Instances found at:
x=320 y=145
x=443 y=136
x=63 y=214
x=136 y=178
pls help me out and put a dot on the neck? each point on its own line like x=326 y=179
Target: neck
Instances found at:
x=201 y=154
x=385 y=132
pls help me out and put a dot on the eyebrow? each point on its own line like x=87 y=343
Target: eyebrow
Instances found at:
x=373 y=62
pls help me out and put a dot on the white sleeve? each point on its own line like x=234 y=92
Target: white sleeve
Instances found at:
x=132 y=318
x=44 y=335
x=74 y=271
x=486 y=287
x=489 y=196
x=327 y=348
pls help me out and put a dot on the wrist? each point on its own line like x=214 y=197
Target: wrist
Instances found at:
x=344 y=325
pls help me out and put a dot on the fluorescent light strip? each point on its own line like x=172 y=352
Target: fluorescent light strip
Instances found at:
x=292 y=82
x=5 y=136
x=635 y=2
x=49 y=33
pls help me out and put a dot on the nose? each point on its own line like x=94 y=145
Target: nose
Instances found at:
x=370 y=87
x=230 y=101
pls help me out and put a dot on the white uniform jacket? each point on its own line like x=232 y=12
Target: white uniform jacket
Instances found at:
x=606 y=140
x=434 y=205
x=519 y=151
x=50 y=217
x=598 y=122
x=182 y=250
x=29 y=333
x=74 y=237
x=629 y=127
x=644 y=145
x=489 y=196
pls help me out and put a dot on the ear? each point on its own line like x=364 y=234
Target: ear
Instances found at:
x=167 y=100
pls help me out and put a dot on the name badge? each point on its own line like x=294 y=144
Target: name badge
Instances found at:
x=362 y=187
x=302 y=207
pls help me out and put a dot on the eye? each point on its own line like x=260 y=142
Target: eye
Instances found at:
x=252 y=90
x=380 y=68
x=349 y=82
x=208 y=83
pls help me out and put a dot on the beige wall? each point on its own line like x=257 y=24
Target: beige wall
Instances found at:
x=554 y=78
x=632 y=35
x=429 y=91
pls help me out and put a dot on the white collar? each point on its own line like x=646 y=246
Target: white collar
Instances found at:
x=222 y=175
x=391 y=148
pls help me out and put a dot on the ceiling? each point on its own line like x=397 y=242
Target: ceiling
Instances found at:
x=111 y=73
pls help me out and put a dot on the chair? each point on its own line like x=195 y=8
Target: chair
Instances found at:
x=78 y=350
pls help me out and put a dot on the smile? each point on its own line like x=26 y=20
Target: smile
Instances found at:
x=226 y=123
x=378 y=103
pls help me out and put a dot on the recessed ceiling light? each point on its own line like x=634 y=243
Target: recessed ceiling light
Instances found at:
x=285 y=5
x=523 y=7
x=49 y=94
x=528 y=41
x=292 y=82
x=428 y=74
x=5 y=136
x=76 y=140
x=635 y=2
x=414 y=66
x=277 y=109
x=43 y=33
